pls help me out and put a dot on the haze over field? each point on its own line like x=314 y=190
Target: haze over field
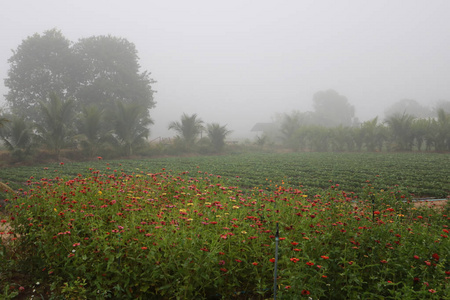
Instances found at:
x=241 y=62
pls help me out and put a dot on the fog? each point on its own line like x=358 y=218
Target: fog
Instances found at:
x=241 y=62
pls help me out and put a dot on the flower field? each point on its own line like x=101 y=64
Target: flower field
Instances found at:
x=180 y=229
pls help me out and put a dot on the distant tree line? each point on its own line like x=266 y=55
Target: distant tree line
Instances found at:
x=91 y=98
x=398 y=132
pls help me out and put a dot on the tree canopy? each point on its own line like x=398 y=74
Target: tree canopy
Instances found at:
x=332 y=109
x=97 y=70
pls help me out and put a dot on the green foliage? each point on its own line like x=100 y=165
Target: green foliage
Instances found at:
x=401 y=133
x=41 y=64
x=108 y=72
x=159 y=234
x=332 y=109
x=56 y=129
x=3 y=121
x=130 y=125
x=188 y=129
x=98 y=70
x=92 y=130
x=217 y=134
x=18 y=137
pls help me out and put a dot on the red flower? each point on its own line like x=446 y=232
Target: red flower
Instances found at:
x=144 y=248
x=383 y=261
x=432 y=291
x=272 y=260
x=254 y=263
x=435 y=256
x=223 y=270
x=376 y=212
x=416 y=257
x=305 y=292
x=294 y=260
x=309 y=263
x=325 y=257
x=294 y=243
x=287 y=287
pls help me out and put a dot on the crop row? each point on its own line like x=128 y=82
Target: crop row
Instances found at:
x=419 y=174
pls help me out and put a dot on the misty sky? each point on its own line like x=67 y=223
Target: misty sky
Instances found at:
x=239 y=62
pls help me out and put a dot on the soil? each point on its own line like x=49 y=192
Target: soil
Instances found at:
x=437 y=204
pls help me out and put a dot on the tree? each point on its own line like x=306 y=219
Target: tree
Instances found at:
x=217 y=135
x=442 y=129
x=100 y=69
x=3 y=121
x=57 y=124
x=108 y=71
x=442 y=104
x=92 y=131
x=419 y=128
x=332 y=109
x=188 y=129
x=130 y=124
x=40 y=65
x=17 y=136
x=409 y=107
x=373 y=134
x=290 y=123
x=341 y=138
x=400 y=126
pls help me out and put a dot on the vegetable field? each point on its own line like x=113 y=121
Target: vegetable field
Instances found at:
x=420 y=174
x=312 y=226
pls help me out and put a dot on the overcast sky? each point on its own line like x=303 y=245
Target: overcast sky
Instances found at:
x=239 y=62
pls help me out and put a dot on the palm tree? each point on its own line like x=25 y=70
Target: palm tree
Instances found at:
x=56 y=126
x=217 y=135
x=188 y=129
x=442 y=130
x=289 y=125
x=91 y=129
x=3 y=120
x=130 y=124
x=18 y=138
x=401 y=130
x=419 y=130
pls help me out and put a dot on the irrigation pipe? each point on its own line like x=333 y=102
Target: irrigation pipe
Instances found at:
x=277 y=238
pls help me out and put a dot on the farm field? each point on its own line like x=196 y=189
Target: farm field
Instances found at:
x=420 y=174
x=332 y=226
